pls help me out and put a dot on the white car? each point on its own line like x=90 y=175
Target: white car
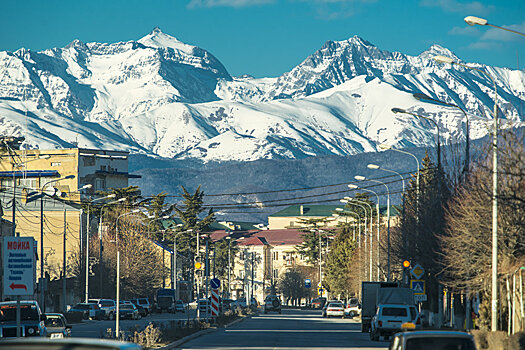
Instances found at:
x=353 y=307
x=390 y=319
x=335 y=309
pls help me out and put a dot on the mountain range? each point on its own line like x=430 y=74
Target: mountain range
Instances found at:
x=160 y=97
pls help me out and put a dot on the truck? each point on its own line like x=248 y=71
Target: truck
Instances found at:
x=375 y=293
x=165 y=299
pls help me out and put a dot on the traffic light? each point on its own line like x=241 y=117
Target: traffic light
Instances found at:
x=198 y=265
x=406 y=263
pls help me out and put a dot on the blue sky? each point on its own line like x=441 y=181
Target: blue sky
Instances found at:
x=265 y=38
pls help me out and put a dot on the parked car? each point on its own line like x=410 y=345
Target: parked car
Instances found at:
x=242 y=302
x=57 y=326
x=318 y=303
x=272 y=303
x=109 y=307
x=335 y=309
x=353 y=307
x=32 y=319
x=432 y=340
x=89 y=311
x=129 y=311
x=389 y=319
x=230 y=305
x=144 y=302
x=323 y=311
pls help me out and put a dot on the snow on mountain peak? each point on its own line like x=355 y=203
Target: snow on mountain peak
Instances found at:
x=158 y=39
x=161 y=96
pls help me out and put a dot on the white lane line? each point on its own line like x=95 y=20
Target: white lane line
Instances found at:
x=290 y=330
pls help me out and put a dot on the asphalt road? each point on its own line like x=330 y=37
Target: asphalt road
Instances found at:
x=293 y=329
x=96 y=329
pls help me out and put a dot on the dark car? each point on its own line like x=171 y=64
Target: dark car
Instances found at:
x=272 y=303
x=142 y=311
x=57 y=326
x=318 y=303
x=144 y=303
x=32 y=320
x=129 y=311
x=89 y=311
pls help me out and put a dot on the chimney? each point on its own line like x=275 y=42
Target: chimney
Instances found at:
x=301 y=210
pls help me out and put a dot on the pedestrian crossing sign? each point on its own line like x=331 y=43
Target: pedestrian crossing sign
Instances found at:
x=418 y=286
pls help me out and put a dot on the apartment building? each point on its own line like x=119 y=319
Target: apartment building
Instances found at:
x=60 y=173
x=264 y=256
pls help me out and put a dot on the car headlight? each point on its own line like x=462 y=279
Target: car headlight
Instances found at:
x=31 y=331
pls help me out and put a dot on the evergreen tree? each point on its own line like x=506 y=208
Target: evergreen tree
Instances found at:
x=190 y=213
x=309 y=248
x=337 y=270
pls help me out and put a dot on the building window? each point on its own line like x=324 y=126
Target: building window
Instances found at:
x=275 y=255
x=89 y=161
x=275 y=273
x=100 y=184
x=28 y=183
x=56 y=164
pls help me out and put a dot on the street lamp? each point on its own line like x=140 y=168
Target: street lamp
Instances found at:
x=472 y=20
x=88 y=226
x=402 y=111
x=362 y=178
x=354 y=187
x=494 y=323
x=421 y=96
x=377 y=167
x=120 y=200
x=117 y=319
x=42 y=195
x=349 y=200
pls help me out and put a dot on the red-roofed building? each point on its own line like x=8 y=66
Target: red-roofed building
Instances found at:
x=264 y=256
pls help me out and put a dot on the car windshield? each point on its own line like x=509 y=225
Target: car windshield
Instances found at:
x=106 y=303
x=394 y=311
x=143 y=301
x=439 y=343
x=413 y=312
x=126 y=307
x=27 y=312
x=54 y=321
x=335 y=305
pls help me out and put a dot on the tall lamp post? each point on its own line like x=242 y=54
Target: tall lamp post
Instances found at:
x=42 y=292
x=101 y=281
x=420 y=96
x=117 y=318
x=355 y=187
x=377 y=167
x=349 y=200
x=402 y=111
x=362 y=178
x=87 y=240
x=494 y=323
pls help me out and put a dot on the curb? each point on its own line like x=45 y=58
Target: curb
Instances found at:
x=175 y=344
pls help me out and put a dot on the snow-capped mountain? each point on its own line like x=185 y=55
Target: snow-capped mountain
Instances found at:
x=163 y=97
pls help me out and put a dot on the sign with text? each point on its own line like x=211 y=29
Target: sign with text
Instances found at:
x=19 y=265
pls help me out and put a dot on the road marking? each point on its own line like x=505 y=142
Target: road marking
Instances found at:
x=290 y=330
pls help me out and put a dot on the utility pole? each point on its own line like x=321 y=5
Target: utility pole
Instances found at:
x=64 y=262
x=207 y=271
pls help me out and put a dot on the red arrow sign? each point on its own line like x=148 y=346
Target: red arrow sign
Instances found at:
x=17 y=286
